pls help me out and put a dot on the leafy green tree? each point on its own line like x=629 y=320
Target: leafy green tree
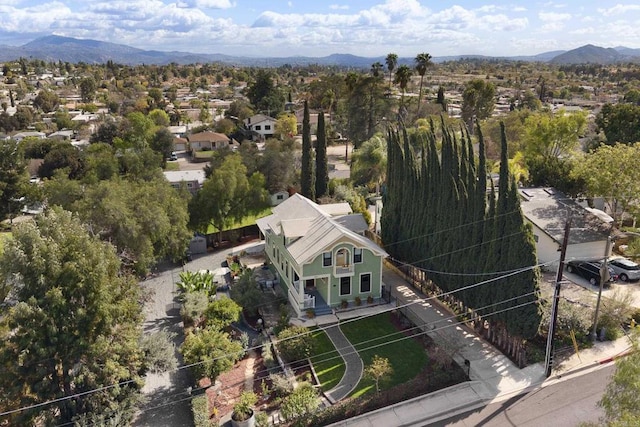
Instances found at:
x=302 y=402
x=369 y=163
x=246 y=292
x=553 y=136
x=210 y=352
x=621 y=399
x=286 y=125
x=13 y=178
x=107 y=132
x=228 y=195
x=264 y=95
x=611 y=172
x=322 y=166
x=46 y=100
x=162 y=143
x=307 y=176
x=75 y=327
x=63 y=156
x=159 y=117
x=294 y=344
x=101 y=162
x=379 y=370
x=145 y=221
x=620 y=123
x=441 y=98
x=478 y=101
x=422 y=62
x=63 y=120
x=88 y=89
x=222 y=312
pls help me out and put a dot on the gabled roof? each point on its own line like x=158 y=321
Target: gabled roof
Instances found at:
x=313 y=229
x=547 y=209
x=257 y=119
x=208 y=136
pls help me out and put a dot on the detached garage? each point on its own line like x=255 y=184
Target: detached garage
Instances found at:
x=546 y=209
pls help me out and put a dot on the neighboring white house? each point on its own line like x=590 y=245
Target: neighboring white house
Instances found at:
x=262 y=125
x=547 y=210
x=192 y=179
x=278 y=197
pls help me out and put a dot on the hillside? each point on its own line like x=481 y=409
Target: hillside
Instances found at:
x=590 y=54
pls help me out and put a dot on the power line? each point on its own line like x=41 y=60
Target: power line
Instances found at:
x=256 y=347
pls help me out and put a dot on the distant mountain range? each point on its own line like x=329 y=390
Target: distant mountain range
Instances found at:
x=66 y=49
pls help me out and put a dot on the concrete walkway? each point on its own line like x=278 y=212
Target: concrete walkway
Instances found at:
x=353 y=364
x=494 y=377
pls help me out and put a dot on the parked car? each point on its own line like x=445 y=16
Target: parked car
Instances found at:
x=173 y=156
x=590 y=270
x=625 y=269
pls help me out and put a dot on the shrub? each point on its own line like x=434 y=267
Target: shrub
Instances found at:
x=200 y=411
x=344 y=303
x=358 y=301
x=295 y=344
x=159 y=351
x=243 y=410
x=194 y=306
x=311 y=313
x=615 y=312
x=211 y=353
x=369 y=299
x=303 y=401
x=222 y=313
x=281 y=385
x=246 y=293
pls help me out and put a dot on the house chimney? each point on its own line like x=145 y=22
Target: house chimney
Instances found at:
x=249 y=120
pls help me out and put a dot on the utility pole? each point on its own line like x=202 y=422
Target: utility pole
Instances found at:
x=604 y=277
x=548 y=360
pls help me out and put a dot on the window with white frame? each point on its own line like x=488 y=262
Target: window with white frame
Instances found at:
x=357 y=255
x=345 y=286
x=326 y=259
x=365 y=283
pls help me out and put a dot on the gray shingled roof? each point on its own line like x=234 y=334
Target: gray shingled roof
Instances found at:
x=547 y=208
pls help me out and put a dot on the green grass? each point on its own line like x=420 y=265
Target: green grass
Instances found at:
x=172 y=166
x=369 y=335
x=326 y=361
x=203 y=154
x=250 y=220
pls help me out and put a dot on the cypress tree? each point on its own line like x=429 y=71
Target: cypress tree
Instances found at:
x=322 y=169
x=307 y=188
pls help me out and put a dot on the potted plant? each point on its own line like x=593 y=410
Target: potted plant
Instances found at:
x=243 y=415
x=311 y=313
x=358 y=301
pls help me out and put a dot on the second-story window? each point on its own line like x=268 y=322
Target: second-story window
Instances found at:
x=326 y=259
x=357 y=255
x=342 y=258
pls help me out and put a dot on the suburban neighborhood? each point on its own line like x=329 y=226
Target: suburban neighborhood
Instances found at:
x=405 y=243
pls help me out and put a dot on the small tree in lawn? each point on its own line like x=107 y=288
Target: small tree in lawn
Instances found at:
x=379 y=370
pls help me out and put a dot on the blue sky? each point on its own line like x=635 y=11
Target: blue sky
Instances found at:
x=318 y=28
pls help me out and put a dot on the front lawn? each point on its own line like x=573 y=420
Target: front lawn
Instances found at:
x=328 y=364
x=377 y=335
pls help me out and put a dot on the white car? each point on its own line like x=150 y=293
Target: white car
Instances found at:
x=625 y=269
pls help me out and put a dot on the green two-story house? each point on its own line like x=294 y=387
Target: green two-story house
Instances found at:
x=321 y=255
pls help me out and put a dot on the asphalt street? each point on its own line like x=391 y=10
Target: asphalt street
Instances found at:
x=563 y=404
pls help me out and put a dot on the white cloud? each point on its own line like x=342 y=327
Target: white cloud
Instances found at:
x=207 y=4
x=619 y=9
x=554 y=17
x=339 y=6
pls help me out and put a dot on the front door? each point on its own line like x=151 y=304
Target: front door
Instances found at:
x=310 y=284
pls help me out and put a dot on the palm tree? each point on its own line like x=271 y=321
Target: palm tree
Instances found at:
x=392 y=61
x=376 y=67
x=403 y=76
x=423 y=61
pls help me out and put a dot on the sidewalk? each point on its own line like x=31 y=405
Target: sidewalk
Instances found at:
x=494 y=377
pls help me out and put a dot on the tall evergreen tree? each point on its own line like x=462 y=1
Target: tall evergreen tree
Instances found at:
x=307 y=187
x=322 y=168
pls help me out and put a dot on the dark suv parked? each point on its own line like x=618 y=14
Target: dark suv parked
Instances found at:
x=590 y=271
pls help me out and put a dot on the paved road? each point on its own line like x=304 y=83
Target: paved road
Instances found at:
x=566 y=403
x=168 y=401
